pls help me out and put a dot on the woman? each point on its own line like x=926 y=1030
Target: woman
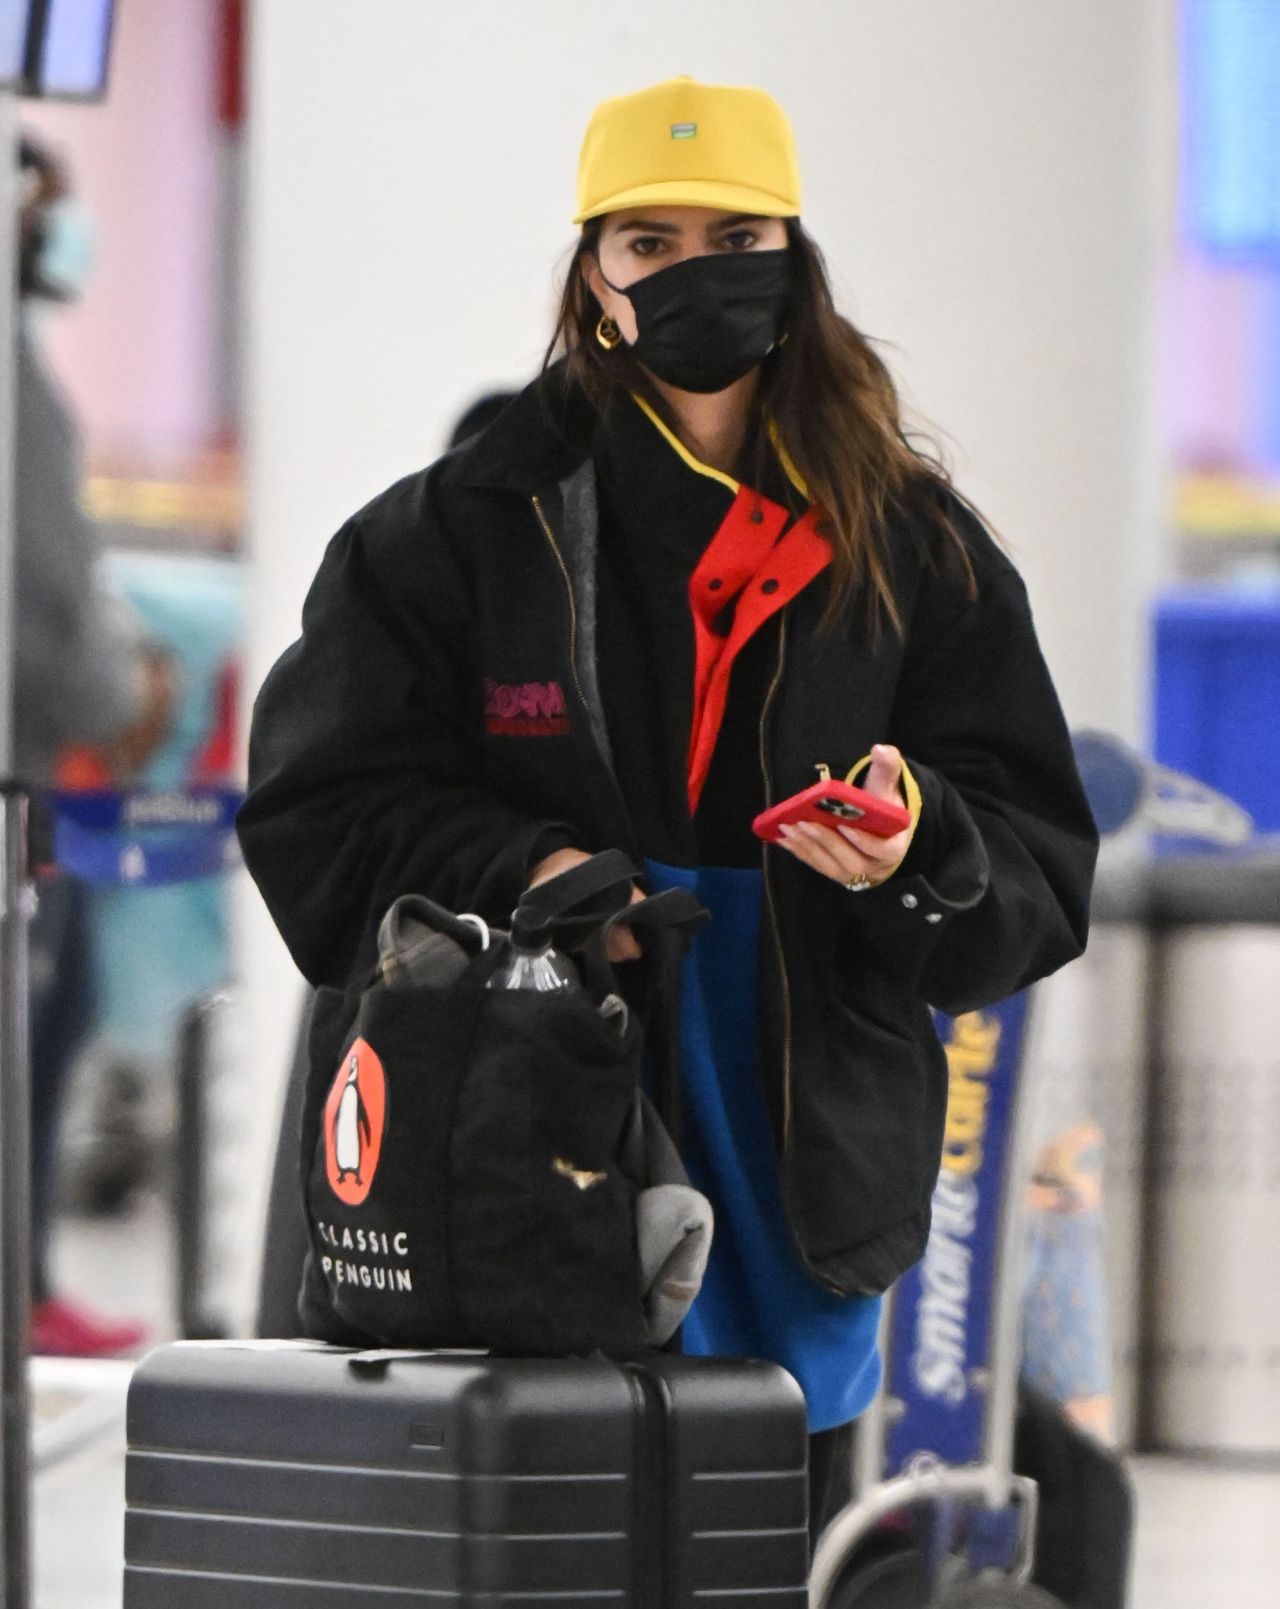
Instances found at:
x=694 y=561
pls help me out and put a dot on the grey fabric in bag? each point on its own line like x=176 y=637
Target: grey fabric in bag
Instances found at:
x=414 y=953
x=674 y=1223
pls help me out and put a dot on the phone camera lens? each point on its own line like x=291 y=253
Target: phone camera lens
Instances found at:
x=837 y=807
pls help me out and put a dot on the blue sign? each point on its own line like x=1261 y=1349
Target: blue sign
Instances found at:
x=940 y=1342
x=146 y=839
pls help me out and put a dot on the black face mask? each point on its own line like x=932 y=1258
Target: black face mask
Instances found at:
x=707 y=321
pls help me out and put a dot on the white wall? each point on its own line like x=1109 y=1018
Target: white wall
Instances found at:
x=979 y=171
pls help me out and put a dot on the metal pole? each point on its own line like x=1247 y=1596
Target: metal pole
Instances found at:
x=15 y=897
x=1005 y=1351
x=15 y=1208
x=8 y=373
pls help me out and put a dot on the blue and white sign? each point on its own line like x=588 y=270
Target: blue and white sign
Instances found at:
x=147 y=839
x=940 y=1343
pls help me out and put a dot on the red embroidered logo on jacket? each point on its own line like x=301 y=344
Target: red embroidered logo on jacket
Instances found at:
x=528 y=709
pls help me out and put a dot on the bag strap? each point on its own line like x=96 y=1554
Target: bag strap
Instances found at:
x=674 y=910
x=676 y=913
x=554 y=908
x=668 y=921
x=603 y=884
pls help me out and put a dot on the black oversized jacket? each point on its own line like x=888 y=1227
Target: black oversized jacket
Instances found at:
x=438 y=727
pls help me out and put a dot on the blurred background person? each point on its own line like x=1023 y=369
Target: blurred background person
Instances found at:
x=83 y=675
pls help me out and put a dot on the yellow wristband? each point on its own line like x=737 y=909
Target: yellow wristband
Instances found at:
x=910 y=794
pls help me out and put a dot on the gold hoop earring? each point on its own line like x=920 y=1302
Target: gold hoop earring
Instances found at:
x=607 y=333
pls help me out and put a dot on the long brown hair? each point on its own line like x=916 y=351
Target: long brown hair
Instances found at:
x=836 y=410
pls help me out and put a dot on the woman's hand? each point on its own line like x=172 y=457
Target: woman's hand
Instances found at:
x=622 y=945
x=856 y=859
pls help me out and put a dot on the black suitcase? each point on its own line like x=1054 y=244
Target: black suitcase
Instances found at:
x=294 y=1476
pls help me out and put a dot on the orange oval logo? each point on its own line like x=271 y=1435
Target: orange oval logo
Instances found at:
x=354 y=1116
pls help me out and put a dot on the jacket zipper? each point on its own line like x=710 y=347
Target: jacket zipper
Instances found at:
x=768 y=892
x=627 y=839
x=573 y=607
x=768 y=793
x=816 y=1274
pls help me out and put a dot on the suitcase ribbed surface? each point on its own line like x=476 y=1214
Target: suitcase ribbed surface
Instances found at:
x=273 y=1479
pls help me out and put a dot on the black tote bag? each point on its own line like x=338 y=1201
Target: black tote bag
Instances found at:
x=468 y=1153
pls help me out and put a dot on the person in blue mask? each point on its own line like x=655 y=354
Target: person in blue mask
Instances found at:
x=697 y=561
x=83 y=675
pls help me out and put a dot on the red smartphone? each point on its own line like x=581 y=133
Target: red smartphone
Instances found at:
x=834 y=804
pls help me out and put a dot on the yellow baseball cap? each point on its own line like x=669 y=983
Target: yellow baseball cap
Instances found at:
x=682 y=143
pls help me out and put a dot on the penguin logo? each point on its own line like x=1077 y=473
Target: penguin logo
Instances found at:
x=354 y=1118
x=351 y=1130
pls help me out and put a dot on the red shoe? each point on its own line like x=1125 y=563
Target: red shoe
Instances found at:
x=61 y=1329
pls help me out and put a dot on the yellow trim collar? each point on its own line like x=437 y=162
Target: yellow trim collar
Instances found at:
x=784 y=458
x=696 y=464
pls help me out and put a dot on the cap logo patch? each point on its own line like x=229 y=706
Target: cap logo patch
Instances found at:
x=684 y=131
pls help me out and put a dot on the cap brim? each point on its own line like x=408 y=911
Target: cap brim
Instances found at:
x=695 y=193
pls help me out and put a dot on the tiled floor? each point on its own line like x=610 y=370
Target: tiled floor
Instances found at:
x=1208 y=1536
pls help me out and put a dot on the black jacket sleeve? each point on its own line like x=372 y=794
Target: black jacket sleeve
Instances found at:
x=994 y=892
x=363 y=771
